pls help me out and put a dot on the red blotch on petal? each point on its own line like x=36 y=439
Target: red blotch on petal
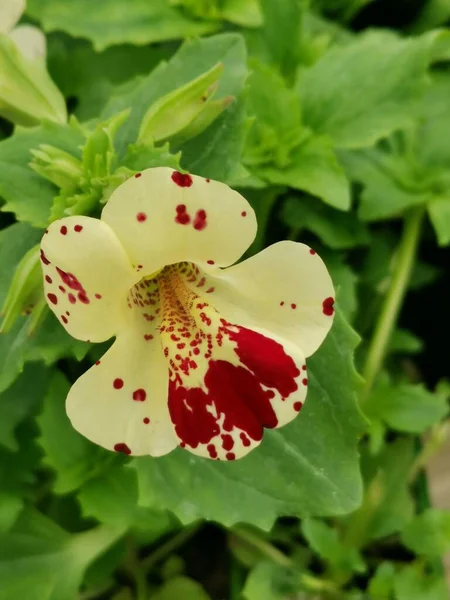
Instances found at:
x=210 y=262
x=98 y=296
x=63 y=230
x=139 y=395
x=328 y=307
x=297 y=406
x=200 y=220
x=146 y=420
x=118 y=384
x=311 y=251
x=64 y=319
x=141 y=217
x=138 y=175
x=305 y=381
x=244 y=213
x=48 y=279
x=182 y=217
x=78 y=228
x=182 y=179
x=97 y=362
x=122 y=448
x=53 y=299
x=71 y=298
x=230 y=456
x=211 y=450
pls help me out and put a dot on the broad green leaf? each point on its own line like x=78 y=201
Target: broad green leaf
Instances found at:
x=20 y=401
x=216 y=152
x=412 y=583
x=365 y=90
x=406 y=407
x=428 y=534
x=111 y=497
x=391 y=183
x=306 y=468
x=181 y=587
x=382 y=583
x=38 y=560
x=338 y=230
x=313 y=168
x=439 y=213
x=324 y=540
x=73 y=458
x=111 y=22
x=405 y=342
x=26 y=193
x=430 y=144
x=17 y=468
x=10 y=508
x=270 y=581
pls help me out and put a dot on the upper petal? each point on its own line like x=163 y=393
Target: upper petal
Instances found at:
x=163 y=217
x=87 y=276
x=30 y=41
x=285 y=289
x=10 y=13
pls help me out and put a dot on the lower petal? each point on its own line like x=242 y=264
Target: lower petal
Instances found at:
x=121 y=402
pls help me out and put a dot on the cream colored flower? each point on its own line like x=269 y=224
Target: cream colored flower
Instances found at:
x=205 y=357
x=30 y=40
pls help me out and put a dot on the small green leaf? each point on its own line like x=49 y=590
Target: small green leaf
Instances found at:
x=181 y=587
x=381 y=585
x=270 y=581
x=412 y=583
x=428 y=534
x=439 y=212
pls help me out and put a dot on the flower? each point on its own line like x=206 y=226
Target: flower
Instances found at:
x=30 y=40
x=204 y=357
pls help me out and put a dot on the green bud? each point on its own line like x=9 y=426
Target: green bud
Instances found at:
x=27 y=93
x=58 y=166
x=25 y=290
x=171 y=114
x=202 y=121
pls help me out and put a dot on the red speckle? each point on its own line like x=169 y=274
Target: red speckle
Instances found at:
x=63 y=230
x=328 y=307
x=62 y=289
x=148 y=336
x=118 y=384
x=138 y=175
x=122 y=448
x=97 y=362
x=230 y=456
x=208 y=180
x=182 y=179
x=53 y=299
x=44 y=259
x=200 y=220
x=182 y=216
x=209 y=290
x=311 y=251
x=64 y=319
x=227 y=442
x=244 y=213
x=71 y=298
x=281 y=303
x=238 y=395
x=98 y=296
x=244 y=439
x=297 y=406
x=78 y=228
x=304 y=368
x=146 y=420
x=293 y=306
x=141 y=217
x=305 y=381
x=48 y=279
x=67 y=313
x=211 y=450
x=210 y=262
x=82 y=297
x=139 y=395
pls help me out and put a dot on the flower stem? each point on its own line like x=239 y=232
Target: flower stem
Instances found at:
x=405 y=258
x=172 y=544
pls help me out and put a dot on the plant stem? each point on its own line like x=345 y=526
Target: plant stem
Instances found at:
x=405 y=258
x=172 y=544
x=309 y=582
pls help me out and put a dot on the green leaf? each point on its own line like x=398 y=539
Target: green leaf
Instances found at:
x=439 y=213
x=306 y=468
x=345 y=283
x=111 y=497
x=413 y=584
x=10 y=508
x=313 y=168
x=365 y=90
x=73 y=458
x=338 y=230
x=111 y=22
x=17 y=468
x=20 y=401
x=38 y=560
x=381 y=585
x=406 y=407
x=270 y=581
x=324 y=540
x=428 y=534
x=404 y=341
x=27 y=194
x=181 y=587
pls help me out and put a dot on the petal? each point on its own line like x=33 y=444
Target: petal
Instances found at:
x=121 y=402
x=87 y=277
x=10 y=13
x=30 y=41
x=226 y=382
x=285 y=289
x=163 y=217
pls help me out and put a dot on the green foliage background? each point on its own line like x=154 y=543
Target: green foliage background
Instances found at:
x=336 y=131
